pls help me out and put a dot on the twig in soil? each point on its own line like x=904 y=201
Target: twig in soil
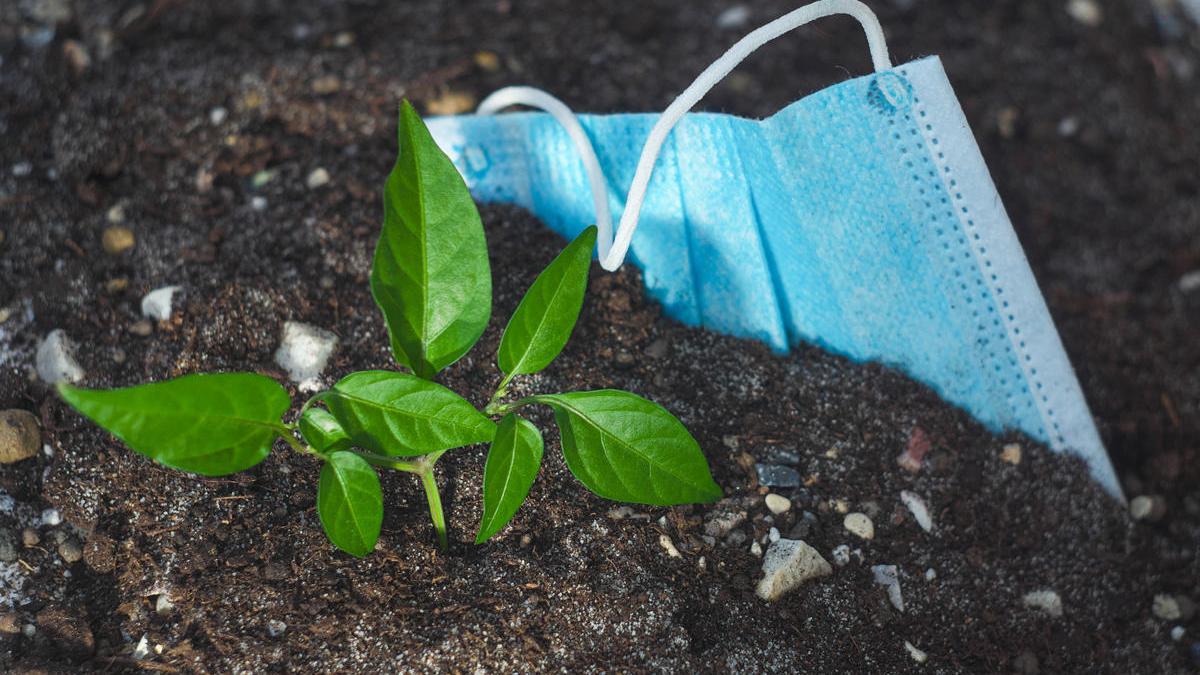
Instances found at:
x=161 y=531
x=1169 y=406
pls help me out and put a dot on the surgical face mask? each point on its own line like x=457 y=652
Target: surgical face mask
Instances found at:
x=861 y=218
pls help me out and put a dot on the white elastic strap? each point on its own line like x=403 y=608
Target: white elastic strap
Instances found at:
x=536 y=98
x=612 y=249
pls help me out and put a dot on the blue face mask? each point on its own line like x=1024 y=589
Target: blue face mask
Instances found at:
x=861 y=219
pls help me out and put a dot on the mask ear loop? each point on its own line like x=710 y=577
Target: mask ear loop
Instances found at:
x=612 y=249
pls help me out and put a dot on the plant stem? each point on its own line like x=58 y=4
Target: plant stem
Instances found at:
x=417 y=467
x=429 y=481
x=493 y=406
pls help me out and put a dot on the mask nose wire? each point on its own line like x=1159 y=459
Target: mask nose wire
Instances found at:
x=612 y=248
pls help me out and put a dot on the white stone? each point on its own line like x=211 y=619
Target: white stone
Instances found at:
x=157 y=303
x=841 y=555
x=889 y=577
x=930 y=574
x=217 y=115
x=917 y=507
x=163 y=604
x=1086 y=12
x=1177 y=633
x=1045 y=600
x=303 y=352
x=1147 y=507
x=734 y=17
x=773 y=535
x=788 y=564
x=756 y=549
x=56 y=359
x=1190 y=282
x=51 y=517
x=859 y=525
x=721 y=524
x=142 y=650
x=258 y=203
x=778 y=504
x=916 y=654
x=317 y=178
x=1166 y=607
x=669 y=546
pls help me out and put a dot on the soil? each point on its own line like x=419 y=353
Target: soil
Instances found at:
x=1090 y=132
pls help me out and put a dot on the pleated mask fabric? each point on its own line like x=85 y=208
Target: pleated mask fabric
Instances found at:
x=861 y=218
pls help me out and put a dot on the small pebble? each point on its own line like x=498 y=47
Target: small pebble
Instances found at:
x=657 y=349
x=1046 y=600
x=841 y=555
x=22 y=169
x=1011 y=454
x=669 y=546
x=327 y=84
x=51 y=517
x=116 y=285
x=20 y=435
x=1086 y=12
x=917 y=507
x=117 y=239
x=914 y=452
x=1148 y=507
x=1177 y=633
x=756 y=549
x=30 y=537
x=29 y=630
x=1190 y=282
x=258 y=203
x=788 y=564
x=888 y=576
x=141 y=328
x=8 y=545
x=916 y=654
x=1173 y=607
x=275 y=628
x=163 y=605
x=733 y=17
x=487 y=61
x=859 y=525
x=317 y=178
x=157 y=303
x=778 y=504
x=451 y=103
x=70 y=550
x=77 y=57
x=10 y=623
x=217 y=116
x=930 y=574
x=773 y=535
x=55 y=359
x=343 y=39
x=1068 y=127
x=142 y=650
x=303 y=352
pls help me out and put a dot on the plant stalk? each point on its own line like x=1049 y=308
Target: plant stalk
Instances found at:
x=429 y=481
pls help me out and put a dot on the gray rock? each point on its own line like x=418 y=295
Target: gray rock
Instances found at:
x=275 y=628
x=56 y=359
x=773 y=475
x=721 y=523
x=70 y=550
x=889 y=577
x=1046 y=600
x=789 y=563
x=779 y=455
x=20 y=436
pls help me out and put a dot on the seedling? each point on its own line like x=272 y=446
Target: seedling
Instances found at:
x=432 y=281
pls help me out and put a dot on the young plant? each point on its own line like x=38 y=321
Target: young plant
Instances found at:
x=432 y=281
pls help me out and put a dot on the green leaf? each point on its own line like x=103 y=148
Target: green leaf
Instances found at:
x=512 y=464
x=623 y=447
x=322 y=431
x=430 y=276
x=350 y=503
x=402 y=415
x=543 y=322
x=207 y=424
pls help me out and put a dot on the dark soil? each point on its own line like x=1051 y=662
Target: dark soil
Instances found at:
x=1109 y=214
